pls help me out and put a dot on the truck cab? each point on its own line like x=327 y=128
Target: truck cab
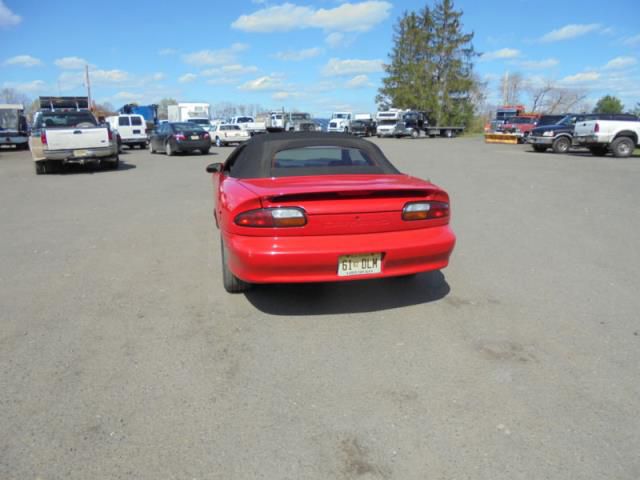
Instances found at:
x=340 y=122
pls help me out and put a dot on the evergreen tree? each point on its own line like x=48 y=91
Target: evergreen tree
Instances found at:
x=608 y=104
x=431 y=65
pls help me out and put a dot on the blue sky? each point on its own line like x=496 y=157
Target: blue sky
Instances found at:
x=317 y=56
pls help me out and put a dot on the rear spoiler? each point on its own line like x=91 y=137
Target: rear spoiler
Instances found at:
x=51 y=104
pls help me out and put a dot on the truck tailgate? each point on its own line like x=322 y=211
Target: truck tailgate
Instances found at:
x=69 y=139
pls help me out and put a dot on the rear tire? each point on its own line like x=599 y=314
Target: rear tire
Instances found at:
x=540 y=148
x=168 y=149
x=114 y=163
x=231 y=283
x=151 y=149
x=204 y=151
x=561 y=145
x=41 y=167
x=598 y=151
x=622 y=147
x=415 y=133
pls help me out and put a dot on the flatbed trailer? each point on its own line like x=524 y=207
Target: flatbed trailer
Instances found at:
x=448 y=132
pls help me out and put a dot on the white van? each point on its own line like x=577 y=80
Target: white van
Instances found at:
x=131 y=128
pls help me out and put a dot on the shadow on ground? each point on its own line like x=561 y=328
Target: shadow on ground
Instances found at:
x=71 y=169
x=349 y=297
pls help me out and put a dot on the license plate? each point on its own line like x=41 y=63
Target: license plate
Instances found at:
x=194 y=137
x=136 y=131
x=80 y=153
x=365 y=264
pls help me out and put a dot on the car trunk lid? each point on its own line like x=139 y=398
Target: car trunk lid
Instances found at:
x=348 y=204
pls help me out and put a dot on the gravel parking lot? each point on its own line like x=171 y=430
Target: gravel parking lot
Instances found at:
x=121 y=356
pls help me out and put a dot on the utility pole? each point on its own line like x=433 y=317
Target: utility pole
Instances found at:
x=86 y=71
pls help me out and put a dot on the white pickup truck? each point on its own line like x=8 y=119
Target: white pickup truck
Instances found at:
x=249 y=124
x=59 y=137
x=618 y=134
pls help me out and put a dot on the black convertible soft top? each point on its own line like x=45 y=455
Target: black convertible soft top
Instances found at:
x=255 y=159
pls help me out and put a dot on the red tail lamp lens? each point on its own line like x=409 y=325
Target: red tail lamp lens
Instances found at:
x=425 y=210
x=272 y=217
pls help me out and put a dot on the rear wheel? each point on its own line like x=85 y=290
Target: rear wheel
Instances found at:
x=231 y=283
x=561 y=145
x=622 y=147
x=204 y=151
x=598 y=151
x=113 y=163
x=168 y=149
x=218 y=142
x=414 y=133
x=41 y=167
x=151 y=149
x=540 y=148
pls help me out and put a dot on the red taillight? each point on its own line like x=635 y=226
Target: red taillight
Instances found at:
x=596 y=129
x=43 y=137
x=206 y=135
x=425 y=210
x=180 y=136
x=272 y=217
x=110 y=133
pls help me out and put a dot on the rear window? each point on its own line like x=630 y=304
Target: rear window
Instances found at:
x=326 y=157
x=65 y=119
x=187 y=127
x=136 y=121
x=123 y=121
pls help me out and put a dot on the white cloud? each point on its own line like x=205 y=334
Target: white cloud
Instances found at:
x=108 y=76
x=158 y=76
x=335 y=39
x=632 y=41
x=582 y=77
x=620 y=62
x=167 y=51
x=7 y=17
x=187 y=78
x=539 y=64
x=347 y=17
x=70 y=80
x=339 y=67
x=503 y=53
x=283 y=95
x=234 y=70
x=215 y=57
x=267 y=82
x=35 y=86
x=23 y=61
x=298 y=55
x=570 y=31
x=359 y=81
x=71 y=63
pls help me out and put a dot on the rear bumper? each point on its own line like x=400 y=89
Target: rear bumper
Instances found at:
x=191 y=145
x=315 y=258
x=134 y=140
x=13 y=139
x=82 y=155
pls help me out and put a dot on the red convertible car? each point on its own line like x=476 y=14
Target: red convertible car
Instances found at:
x=319 y=207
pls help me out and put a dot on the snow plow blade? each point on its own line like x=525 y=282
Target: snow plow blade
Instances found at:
x=500 y=138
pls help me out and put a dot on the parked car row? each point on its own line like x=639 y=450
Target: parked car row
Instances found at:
x=600 y=133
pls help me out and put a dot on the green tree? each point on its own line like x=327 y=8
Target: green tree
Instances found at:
x=608 y=104
x=162 y=107
x=431 y=65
